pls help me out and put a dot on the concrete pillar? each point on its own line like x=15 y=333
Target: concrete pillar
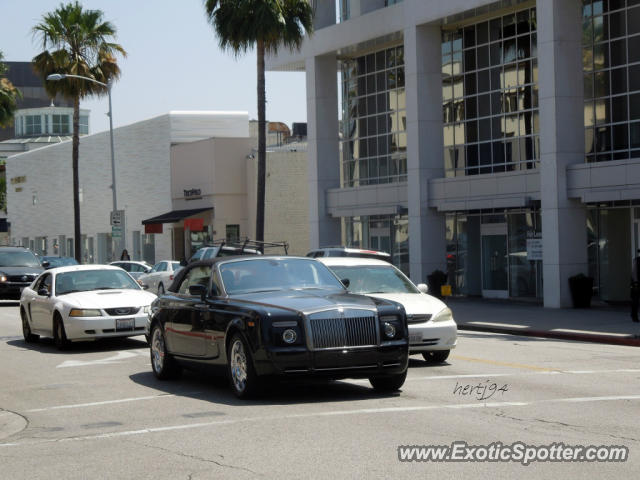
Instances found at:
x=423 y=74
x=323 y=148
x=564 y=230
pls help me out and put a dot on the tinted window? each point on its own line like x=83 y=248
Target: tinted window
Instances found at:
x=276 y=274
x=196 y=276
x=18 y=258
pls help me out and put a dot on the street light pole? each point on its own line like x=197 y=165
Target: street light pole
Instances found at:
x=61 y=76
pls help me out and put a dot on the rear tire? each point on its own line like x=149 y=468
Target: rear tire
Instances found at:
x=438 y=356
x=163 y=364
x=26 y=328
x=244 y=381
x=59 y=334
x=389 y=383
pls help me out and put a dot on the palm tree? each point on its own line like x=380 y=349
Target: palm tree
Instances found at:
x=75 y=41
x=9 y=96
x=267 y=25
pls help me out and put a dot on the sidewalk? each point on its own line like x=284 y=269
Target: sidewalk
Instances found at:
x=600 y=323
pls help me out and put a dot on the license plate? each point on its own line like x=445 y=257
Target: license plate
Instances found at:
x=125 y=323
x=415 y=337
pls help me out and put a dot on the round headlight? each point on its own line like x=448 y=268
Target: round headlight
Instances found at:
x=289 y=336
x=389 y=330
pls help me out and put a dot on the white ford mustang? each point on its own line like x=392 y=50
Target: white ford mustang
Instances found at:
x=83 y=302
x=432 y=329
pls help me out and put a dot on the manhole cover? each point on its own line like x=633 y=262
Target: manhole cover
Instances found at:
x=11 y=423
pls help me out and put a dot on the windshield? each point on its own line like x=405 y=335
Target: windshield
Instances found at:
x=369 y=279
x=276 y=274
x=86 y=280
x=18 y=258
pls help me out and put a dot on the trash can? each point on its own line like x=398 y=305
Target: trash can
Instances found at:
x=581 y=288
x=435 y=280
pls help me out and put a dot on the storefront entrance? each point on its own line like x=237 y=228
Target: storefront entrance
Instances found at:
x=495 y=282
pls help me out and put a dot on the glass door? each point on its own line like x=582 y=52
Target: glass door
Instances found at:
x=495 y=277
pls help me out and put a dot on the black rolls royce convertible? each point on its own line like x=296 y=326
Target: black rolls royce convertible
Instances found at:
x=268 y=316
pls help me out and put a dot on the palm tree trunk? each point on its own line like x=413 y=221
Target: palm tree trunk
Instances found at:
x=262 y=145
x=77 y=244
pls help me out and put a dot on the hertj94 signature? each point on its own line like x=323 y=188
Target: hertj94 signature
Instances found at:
x=482 y=390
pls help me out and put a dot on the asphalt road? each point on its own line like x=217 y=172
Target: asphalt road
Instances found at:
x=96 y=411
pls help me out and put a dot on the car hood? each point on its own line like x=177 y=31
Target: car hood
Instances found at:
x=414 y=303
x=309 y=301
x=21 y=270
x=108 y=298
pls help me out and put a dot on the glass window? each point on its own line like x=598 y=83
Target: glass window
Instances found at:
x=196 y=276
x=33 y=124
x=60 y=124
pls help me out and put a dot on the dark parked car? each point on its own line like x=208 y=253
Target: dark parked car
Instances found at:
x=261 y=316
x=18 y=268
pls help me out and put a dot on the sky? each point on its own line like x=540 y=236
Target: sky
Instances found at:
x=173 y=62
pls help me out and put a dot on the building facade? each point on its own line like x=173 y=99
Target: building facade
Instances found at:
x=182 y=180
x=497 y=141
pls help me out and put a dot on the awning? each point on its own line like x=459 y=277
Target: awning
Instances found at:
x=175 y=215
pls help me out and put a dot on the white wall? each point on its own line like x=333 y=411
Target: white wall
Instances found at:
x=142 y=177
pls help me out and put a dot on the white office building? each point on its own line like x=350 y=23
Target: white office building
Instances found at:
x=497 y=141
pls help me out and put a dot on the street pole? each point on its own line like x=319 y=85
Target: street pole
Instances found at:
x=59 y=76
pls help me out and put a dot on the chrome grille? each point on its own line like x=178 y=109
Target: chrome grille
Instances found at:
x=30 y=277
x=343 y=332
x=122 y=311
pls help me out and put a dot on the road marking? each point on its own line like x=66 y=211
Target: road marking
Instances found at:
x=117 y=358
x=505 y=364
x=333 y=413
x=106 y=402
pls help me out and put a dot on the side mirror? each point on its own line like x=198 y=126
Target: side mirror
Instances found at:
x=46 y=264
x=43 y=292
x=423 y=287
x=198 y=290
x=346 y=282
x=144 y=287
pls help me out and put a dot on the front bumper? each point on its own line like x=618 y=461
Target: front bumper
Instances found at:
x=432 y=336
x=12 y=290
x=89 y=328
x=388 y=359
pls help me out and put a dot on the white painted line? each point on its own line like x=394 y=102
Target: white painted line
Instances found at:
x=489 y=324
x=553 y=372
x=106 y=402
x=117 y=358
x=567 y=330
x=364 y=411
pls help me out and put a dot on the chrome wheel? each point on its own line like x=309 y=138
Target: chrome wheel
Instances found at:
x=238 y=366
x=157 y=350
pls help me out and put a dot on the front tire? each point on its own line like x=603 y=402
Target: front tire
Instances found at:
x=245 y=383
x=59 y=334
x=438 y=356
x=163 y=364
x=389 y=383
x=26 y=328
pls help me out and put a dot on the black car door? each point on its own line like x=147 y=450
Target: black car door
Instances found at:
x=184 y=327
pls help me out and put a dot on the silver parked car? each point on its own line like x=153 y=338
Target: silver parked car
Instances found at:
x=160 y=277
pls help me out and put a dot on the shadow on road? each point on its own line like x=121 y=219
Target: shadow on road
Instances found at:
x=46 y=345
x=215 y=389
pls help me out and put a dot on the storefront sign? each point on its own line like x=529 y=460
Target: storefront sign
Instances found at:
x=192 y=194
x=21 y=179
x=194 y=224
x=153 y=228
x=534 y=249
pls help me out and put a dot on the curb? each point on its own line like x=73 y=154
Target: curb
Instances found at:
x=629 y=341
